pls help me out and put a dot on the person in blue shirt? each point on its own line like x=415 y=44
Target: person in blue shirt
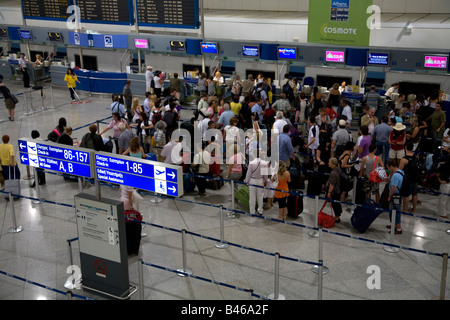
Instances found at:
x=224 y=119
x=285 y=147
x=116 y=106
x=256 y=107
x=395 y=199
x=381 y=134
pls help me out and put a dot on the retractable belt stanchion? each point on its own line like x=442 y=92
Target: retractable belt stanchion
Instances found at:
x=185 y=271
x=28 y=176
x=221 y=244
x=276 y=295
x=14 y=228
x=320 y=268
x=444 y=275
x=141 y=279
x=314 y=233
x=74 y=281
x=393 y=222
x=53 y=98
x=231 y=214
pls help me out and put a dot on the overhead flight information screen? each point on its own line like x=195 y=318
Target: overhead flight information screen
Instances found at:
x=168 y=13
x=106 y=11
x=46 y=9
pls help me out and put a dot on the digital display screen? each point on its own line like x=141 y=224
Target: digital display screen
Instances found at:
x=436 y=62
x=106 y=11
x=209 y=48
x=377 y=59
x=168 y=13
x=46 y=9
x=141 y=43
x=177 y=46
x=54 y=36
x=25 y=35
x=250 y=51
x=287 y=53
x=335 y=56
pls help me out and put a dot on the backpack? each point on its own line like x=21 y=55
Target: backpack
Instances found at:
x=405 y=189
x=257 y=93
x=287 y=89
x=54 y=135
x=87 y=141
x=157 y=116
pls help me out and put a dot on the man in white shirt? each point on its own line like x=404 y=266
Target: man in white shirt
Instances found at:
x=392 y=89
x=171 y=152
x=279 y=123
x=346 y=111
x=148 y=79
x=313 y=136
x=23 y=65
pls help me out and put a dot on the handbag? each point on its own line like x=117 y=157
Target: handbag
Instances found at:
x=325 y=220
x=274 y=183
x=378 y=174
x=14 y=99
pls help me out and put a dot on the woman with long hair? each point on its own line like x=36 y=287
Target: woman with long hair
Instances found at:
x=135 y=149
x=281 y=192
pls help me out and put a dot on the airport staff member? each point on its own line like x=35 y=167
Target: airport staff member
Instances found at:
x=23 y=65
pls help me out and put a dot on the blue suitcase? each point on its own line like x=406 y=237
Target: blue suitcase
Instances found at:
x=364 y=215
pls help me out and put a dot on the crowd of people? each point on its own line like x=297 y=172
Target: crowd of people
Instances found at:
x=404 y=137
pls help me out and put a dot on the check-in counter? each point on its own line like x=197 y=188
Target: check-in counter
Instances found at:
x=104 y=82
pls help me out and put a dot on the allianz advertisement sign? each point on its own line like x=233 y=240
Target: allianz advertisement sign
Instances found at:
x=339 y=22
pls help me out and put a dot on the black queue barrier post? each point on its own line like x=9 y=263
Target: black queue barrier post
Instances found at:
x=15 y=228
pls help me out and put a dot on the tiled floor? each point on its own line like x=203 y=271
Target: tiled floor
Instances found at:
x=39 y=253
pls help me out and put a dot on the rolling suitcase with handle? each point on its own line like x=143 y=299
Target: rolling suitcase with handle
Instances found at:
x=294 y=204
x=133 y=231
x=364 y=215
x=12 y=184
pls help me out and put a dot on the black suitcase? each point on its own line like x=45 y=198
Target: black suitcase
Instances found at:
x=364 y=215
x=294 y=204
x=133 y=230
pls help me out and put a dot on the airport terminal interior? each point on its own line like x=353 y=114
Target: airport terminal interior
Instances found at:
x=196 y=247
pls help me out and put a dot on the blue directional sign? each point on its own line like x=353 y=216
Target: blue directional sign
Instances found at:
x=55 y=157
x=147 y=175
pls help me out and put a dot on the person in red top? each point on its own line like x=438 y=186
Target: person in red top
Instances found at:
x=397 y=140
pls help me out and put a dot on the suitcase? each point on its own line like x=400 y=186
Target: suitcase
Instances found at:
x=243 y=196
x=12 y=185
x=188 y=182
x=133 y=231
x=215 y=184
x=294 y=204
x=364 y=215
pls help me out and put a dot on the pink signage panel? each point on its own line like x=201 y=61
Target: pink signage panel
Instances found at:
x=436 y=62
x=335 y=56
